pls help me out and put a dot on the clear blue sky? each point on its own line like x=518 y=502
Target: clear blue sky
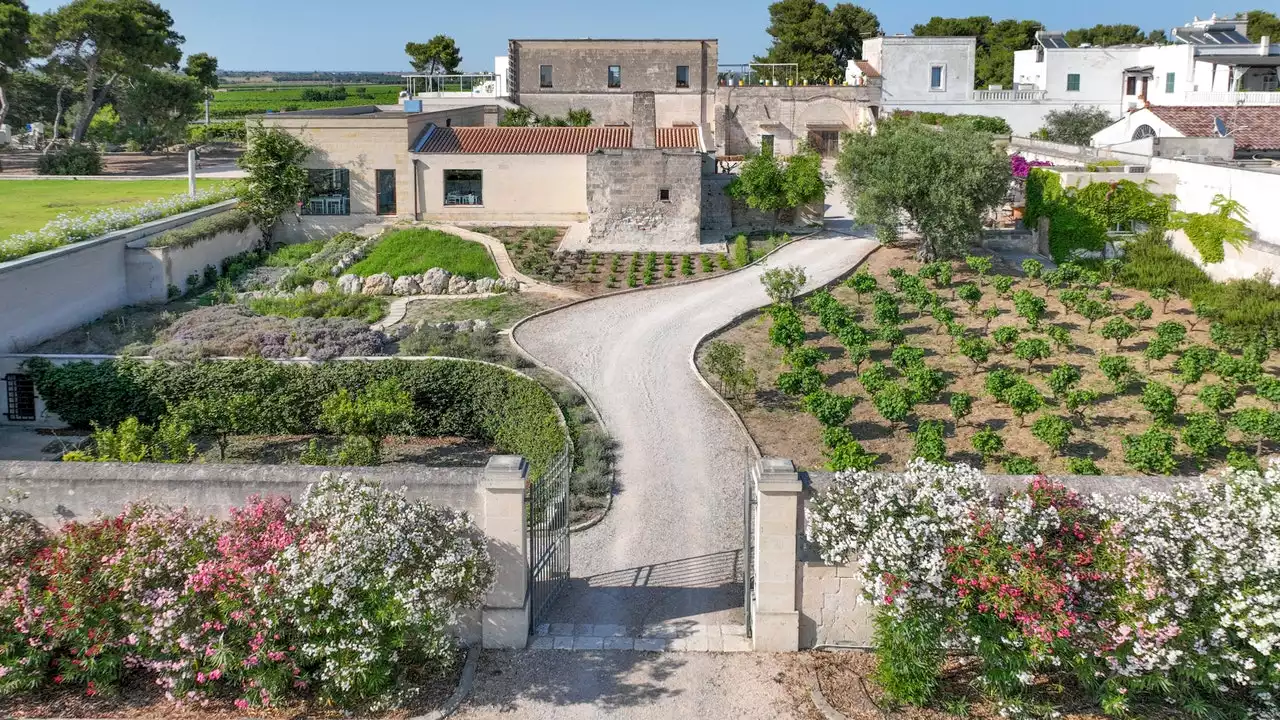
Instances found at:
x=370 y=34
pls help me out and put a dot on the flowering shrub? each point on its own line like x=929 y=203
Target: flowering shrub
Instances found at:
x=1021 y=167
x=1161 y=598
x=66 y=229
x=342 y=593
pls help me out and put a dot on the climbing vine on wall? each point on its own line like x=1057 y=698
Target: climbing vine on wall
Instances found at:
x=1210 y=232
x=1080 y=218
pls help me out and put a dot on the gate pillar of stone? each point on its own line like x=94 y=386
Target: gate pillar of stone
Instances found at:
x=505 y=617
x=775 y=616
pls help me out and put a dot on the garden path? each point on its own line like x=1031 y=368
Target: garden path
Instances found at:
x=669 y=551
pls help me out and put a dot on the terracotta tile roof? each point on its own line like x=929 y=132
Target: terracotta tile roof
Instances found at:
x=867 y=68
x=1254 y=127
x=545 y=140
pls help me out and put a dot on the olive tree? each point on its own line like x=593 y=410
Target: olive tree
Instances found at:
x=943 y=181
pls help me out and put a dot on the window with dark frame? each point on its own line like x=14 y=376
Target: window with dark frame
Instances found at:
x=544 y=76
x=330 y=192
x=682 y=76
x=1073 y=82
x=463 y=188
x=20 y=394
x=1131 y=85
x=937 y=77
x=615 y=76
x=664 y=195
x=386 y=185
x=766 y=145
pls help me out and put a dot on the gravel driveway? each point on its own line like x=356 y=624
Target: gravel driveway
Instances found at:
x=670 y=548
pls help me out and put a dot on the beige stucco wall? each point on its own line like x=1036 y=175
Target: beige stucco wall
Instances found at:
x=362 y=145
x=516 y=187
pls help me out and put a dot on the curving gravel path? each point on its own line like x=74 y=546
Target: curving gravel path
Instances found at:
x=669 y=550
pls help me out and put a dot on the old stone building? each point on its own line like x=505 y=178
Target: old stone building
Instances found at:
x=646 y=195
x=753 y=119
x=550 y=77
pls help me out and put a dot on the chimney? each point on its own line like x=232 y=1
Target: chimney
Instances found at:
x=1266 y=45
x=644 y=123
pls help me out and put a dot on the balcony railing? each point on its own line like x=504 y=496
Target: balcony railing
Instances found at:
x=1008 y=95
x=484 y=85
x=1232 y=98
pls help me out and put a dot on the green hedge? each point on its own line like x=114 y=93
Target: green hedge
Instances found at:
x=206 y=227
x=473 y=400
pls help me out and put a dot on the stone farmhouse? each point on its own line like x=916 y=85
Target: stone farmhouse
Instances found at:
x=644 y=174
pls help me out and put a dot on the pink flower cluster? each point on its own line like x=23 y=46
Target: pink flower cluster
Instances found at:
x=1021 y=167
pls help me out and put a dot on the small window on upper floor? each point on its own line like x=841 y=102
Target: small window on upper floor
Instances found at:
x=615 y=76
x=938 y=77
x=1169 y=80
x=682 y=76
x=544 y=76
x=1073 y=82
x=664 y=195
x=1131 y=85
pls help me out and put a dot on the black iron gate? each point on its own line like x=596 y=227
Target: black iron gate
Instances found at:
x=748 y=539
x=547 y=506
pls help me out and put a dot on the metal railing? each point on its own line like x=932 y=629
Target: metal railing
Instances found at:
x=468 y=84
x=547 y=505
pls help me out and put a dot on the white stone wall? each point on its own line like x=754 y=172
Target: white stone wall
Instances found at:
x=905 y=64
x=832 y=611
x=151 y=270
x=48 y=293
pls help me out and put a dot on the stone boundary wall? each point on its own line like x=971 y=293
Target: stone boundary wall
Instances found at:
x=51 y=292
x=801 y=601
x=55 y=492
x=149 y=271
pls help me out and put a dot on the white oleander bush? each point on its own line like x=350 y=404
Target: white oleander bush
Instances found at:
x=1155 y=600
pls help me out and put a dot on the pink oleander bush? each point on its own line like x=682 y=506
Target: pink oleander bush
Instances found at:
x=1152 y=601
x=336 y=597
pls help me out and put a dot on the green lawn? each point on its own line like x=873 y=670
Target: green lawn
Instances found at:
x=29 y=204
x=410 y=252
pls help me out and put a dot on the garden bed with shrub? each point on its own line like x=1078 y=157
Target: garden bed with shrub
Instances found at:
x=534 y=250
x=1158 y=604
x=221 y=399
x=342 y=599
x=1065 y=372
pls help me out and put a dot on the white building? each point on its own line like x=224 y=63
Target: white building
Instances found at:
x=1210 y=62
x=935 y=74
x=1250 y=132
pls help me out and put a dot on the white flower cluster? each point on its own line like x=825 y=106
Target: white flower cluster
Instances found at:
x=896 y=528
x=1215 y=546
x=380 y=575
x=66 y=228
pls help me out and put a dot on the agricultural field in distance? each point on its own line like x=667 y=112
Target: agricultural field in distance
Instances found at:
x=236 y=101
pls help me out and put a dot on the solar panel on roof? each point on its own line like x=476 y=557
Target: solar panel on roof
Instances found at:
x=1056 y=42
x=1226 y=37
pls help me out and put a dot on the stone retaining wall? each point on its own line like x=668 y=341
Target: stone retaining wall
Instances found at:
x=48 y=293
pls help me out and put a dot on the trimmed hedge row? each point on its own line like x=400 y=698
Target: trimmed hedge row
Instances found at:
x=474 y=400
